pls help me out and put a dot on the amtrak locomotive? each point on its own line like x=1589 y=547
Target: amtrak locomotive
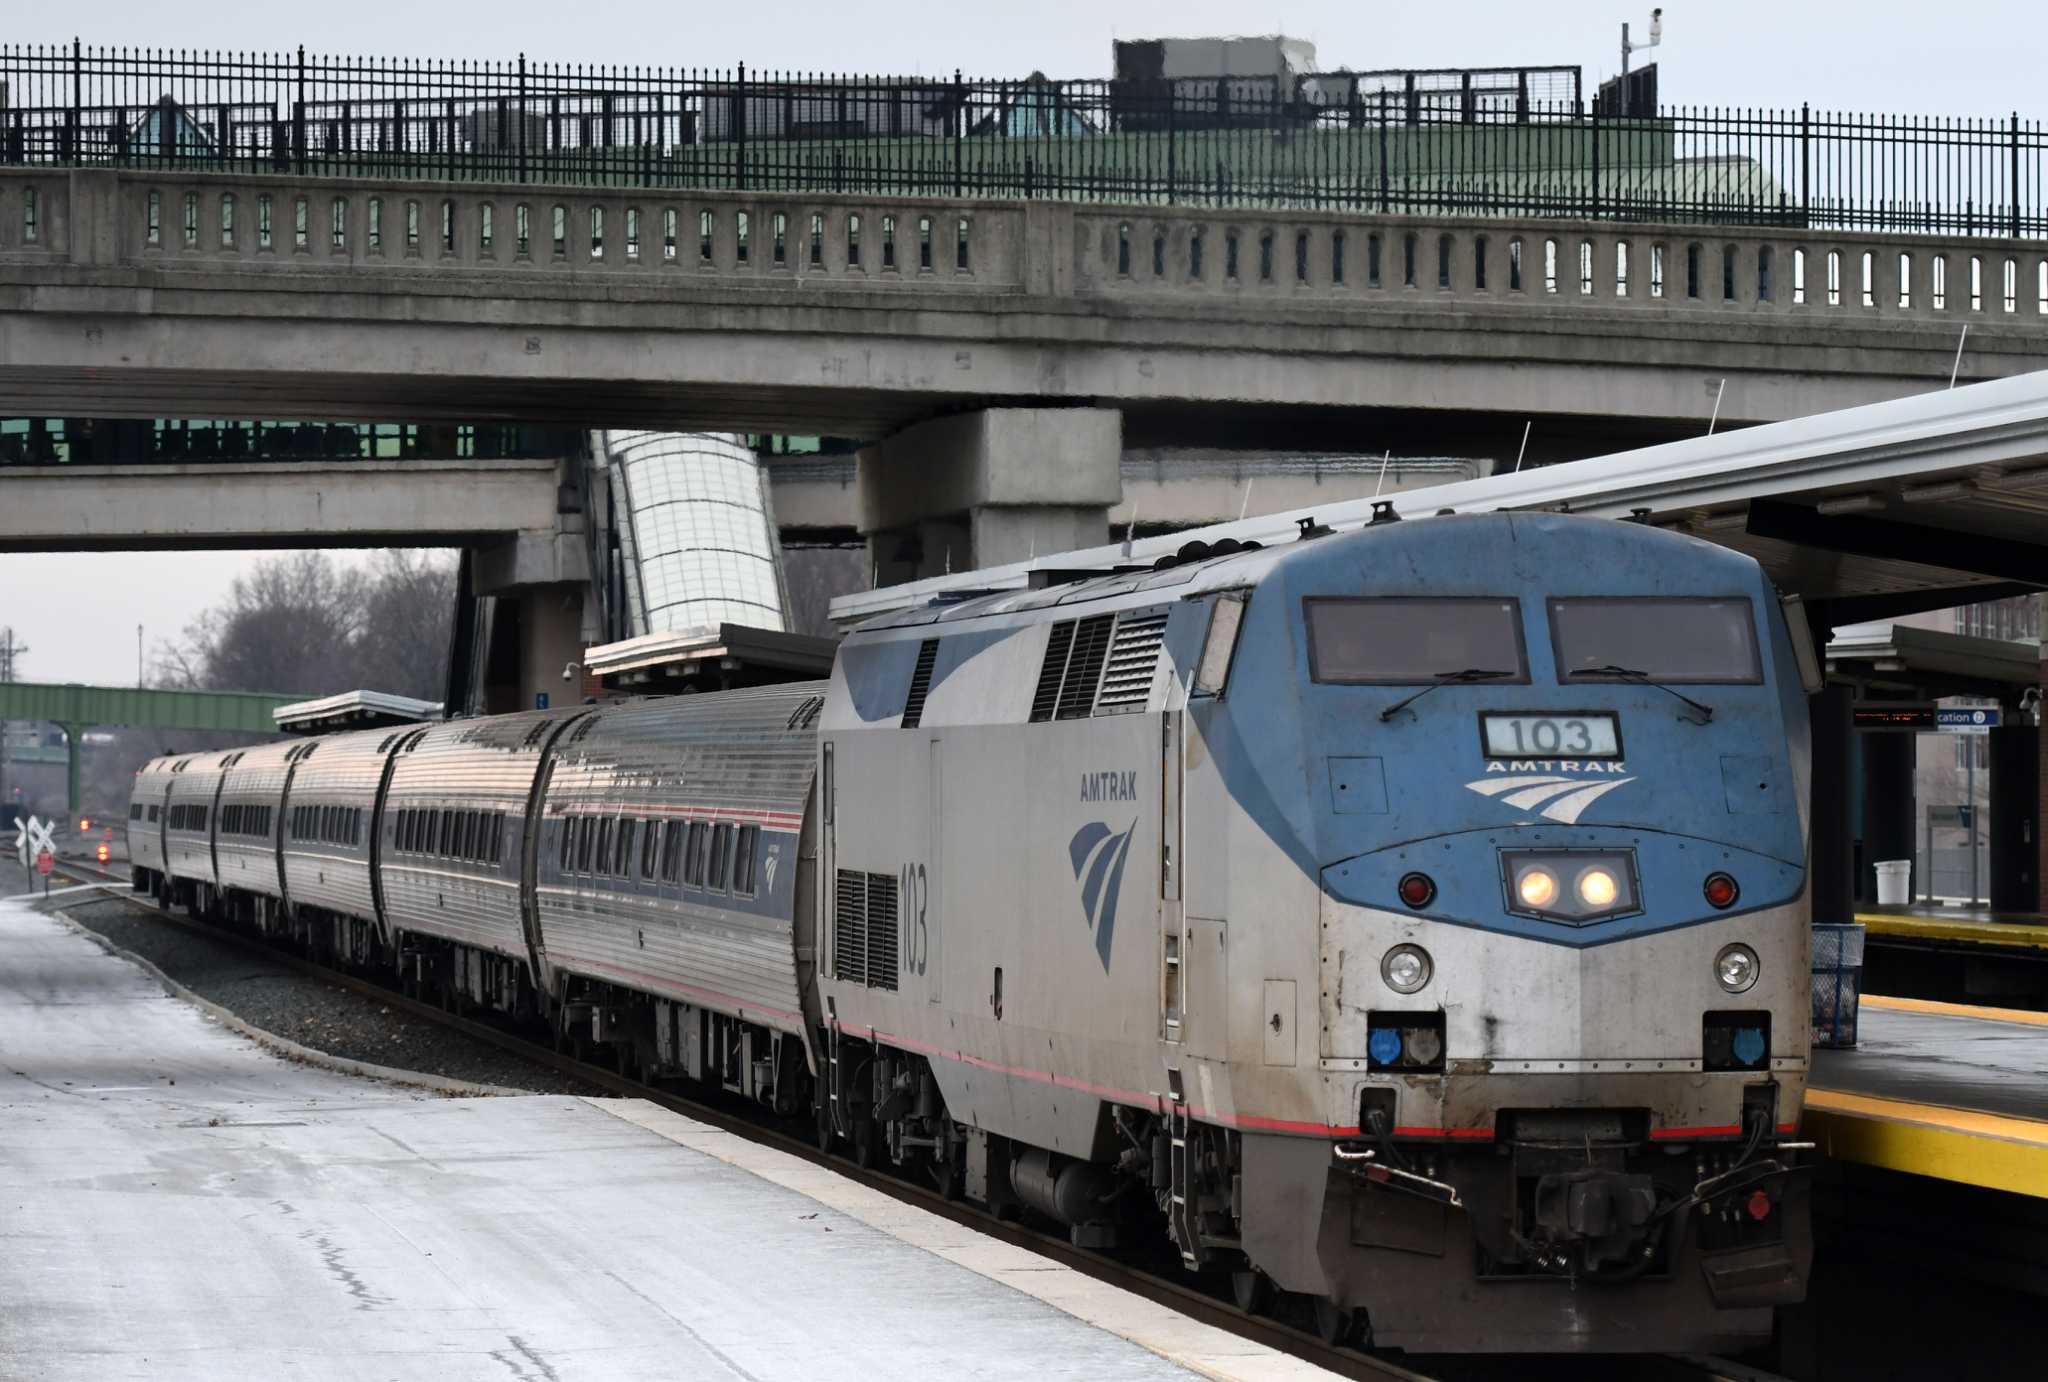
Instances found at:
x=1412 y=918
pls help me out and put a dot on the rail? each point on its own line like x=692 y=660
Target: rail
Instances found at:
x=1512 y=145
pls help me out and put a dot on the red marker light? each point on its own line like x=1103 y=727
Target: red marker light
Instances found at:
x=103 y=854
x=1418 y=889
x=1721 y=890
x=1759 y=1206
x=84 y=825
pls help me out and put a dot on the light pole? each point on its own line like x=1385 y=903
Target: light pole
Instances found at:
x=1656 y=37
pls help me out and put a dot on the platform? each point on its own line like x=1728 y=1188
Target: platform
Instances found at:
x=1959 y=926
x=1938 y=1089
x=179 y=1203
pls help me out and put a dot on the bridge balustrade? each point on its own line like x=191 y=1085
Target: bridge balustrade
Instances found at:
x=271 y=224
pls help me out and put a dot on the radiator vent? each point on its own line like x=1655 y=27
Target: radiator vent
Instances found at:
x=850 y=927
x=864 y=929
x=882 y=931
x=1047 y=695
x=1084 y=668
x=1133 y=658
x=920 y=683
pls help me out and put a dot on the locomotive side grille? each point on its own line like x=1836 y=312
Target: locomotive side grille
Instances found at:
x=864 y=931
x=882 y=931
x=920 y=684
x=1133 y=657
x=1084 y=668
x=850 y=927
x=1047 y=694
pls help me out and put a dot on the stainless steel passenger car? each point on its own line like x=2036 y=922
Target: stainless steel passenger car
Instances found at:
x=146 y=823
x=188 y=827
x=453 y=851
x=248 y=822
x=674 y=863
x=328 y=819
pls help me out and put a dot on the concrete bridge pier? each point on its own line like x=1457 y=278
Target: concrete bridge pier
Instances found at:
x=535 y=616
x=984 y=488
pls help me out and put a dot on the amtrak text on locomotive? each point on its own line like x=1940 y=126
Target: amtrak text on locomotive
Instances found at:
x=1118 y=785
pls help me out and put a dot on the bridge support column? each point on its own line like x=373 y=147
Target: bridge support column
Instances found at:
x=986 y=488
x=1831 y=865
x=74 y=745
x=536 y=583
x=2015 y=761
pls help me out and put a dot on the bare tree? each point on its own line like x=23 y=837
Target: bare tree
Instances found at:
x=306 y=625
x=408 y=619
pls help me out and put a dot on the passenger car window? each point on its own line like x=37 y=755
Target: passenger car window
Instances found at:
x=698 y=853
x=672 y=851
x=721 y=846
x=743 y=860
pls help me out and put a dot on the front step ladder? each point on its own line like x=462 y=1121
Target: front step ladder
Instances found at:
x=1180 y=1209
x=832 y=1109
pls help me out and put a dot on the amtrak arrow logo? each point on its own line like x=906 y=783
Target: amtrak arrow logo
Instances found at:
x=1098 y=859
x=1568 y=797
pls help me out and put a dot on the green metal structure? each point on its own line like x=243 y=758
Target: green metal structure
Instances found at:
x=74 y=709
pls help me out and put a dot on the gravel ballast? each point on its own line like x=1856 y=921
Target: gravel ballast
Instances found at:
x=308 y=1010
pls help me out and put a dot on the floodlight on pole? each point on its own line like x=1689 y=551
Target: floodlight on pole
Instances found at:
x=1627 y=47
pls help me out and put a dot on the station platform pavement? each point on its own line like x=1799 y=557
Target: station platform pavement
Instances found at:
x=1959 y=926
x=1943 y=1090
x=177 y=1202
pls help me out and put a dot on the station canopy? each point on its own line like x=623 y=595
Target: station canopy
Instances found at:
x=353 y=710
x=1867 y=513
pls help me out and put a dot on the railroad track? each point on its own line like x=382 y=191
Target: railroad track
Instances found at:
x=1162 y=1290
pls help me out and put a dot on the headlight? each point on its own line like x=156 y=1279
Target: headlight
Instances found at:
x=1573 y=887
x=1597 y=888
x=1406 y=968
x=1536 y=887
x=1737 y=968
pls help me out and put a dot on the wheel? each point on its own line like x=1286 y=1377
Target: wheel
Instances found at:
x=947 y=1173
x=1253 y=1290
x=867 y=1144
x=1333 y=1322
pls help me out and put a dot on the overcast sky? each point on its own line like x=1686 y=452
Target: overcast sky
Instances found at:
x=79 y=612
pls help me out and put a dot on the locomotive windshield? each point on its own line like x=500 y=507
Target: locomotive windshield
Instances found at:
x=1410 y=642
x=1698 y=640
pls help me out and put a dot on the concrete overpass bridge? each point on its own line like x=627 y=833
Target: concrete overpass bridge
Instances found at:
x=1071 y=329
x=1005 y=288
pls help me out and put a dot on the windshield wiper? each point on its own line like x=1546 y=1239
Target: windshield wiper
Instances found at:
x=1469 y=674
x=1642 y=678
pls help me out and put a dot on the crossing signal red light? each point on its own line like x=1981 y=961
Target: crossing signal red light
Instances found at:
x=103 y=854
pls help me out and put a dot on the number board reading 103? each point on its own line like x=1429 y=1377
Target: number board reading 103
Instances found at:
x=1593 y=735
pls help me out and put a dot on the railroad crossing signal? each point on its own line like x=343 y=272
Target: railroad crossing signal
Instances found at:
x=34 y=837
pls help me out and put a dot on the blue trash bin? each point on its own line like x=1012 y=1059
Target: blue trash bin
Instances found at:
x=1837 y=983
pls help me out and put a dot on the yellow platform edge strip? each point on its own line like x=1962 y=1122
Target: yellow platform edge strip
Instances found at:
x=2013 y=936
x=1969 y=1148
x=1971 y=1010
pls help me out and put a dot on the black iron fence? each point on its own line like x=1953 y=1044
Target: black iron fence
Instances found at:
x=1511 y=145
x=167 y=441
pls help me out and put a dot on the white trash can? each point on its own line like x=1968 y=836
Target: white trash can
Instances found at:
x=1894 y=882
